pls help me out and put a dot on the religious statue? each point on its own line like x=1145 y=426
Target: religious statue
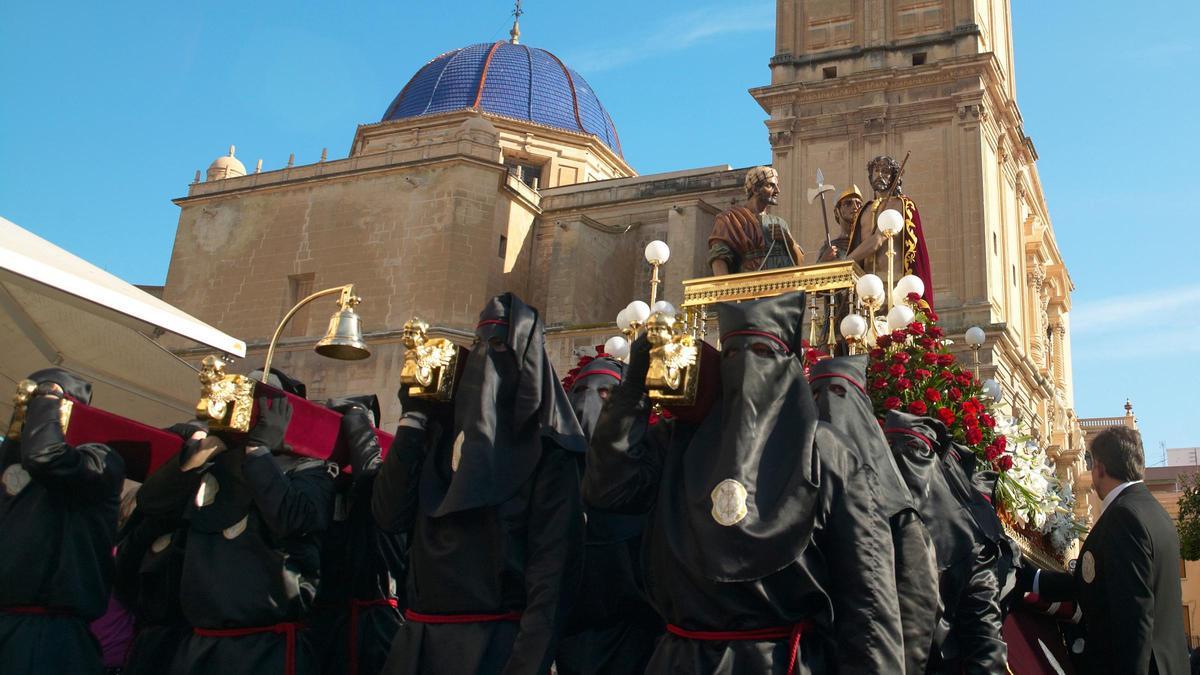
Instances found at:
x=745 y=238
x=867 y=244
x=844 y=212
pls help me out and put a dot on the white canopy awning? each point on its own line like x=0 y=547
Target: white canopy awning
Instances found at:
x=57 y=309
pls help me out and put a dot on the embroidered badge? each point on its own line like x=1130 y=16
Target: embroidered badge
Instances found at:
x=729 y=502
x=456 y=453
x=234 y=530
x=161 y=543
x=15 y=479
x=1089 y=567
x=207 y=492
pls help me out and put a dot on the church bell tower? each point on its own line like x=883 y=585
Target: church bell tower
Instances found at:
x=853 y=79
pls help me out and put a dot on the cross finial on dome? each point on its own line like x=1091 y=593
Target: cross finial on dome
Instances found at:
x=515 y=33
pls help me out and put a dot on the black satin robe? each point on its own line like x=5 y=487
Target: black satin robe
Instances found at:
x=252 y=556
x=612 y=629
x=149 y=571
x=521 y=555
x=58 y=522
x=839 y=389
x=836 y=575
x=968 y=638
x=359 y=564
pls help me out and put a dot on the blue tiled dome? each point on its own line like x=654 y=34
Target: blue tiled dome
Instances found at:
x=506 y=79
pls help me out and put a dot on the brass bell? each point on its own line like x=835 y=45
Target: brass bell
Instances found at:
x=343 y=340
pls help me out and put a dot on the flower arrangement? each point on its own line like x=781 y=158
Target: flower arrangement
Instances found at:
x=912 y=369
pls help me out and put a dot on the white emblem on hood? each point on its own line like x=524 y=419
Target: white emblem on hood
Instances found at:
x=15 y=479
x=729 y=502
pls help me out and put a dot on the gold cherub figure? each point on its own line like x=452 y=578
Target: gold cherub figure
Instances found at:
x=225 y=400
x=672 y=353
x=423 y=357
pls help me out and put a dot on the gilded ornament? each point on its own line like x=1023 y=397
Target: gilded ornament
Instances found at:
x=24 y=393
x=672 y=354
x=429 y=363
x=226 y=401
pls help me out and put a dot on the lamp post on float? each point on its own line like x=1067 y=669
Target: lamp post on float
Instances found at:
x=975 y=338
x=870 y=294
x=657 y=253
x=854 y=331
x=890 y=223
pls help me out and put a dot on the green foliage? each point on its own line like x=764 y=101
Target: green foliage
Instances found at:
x=1189 y=517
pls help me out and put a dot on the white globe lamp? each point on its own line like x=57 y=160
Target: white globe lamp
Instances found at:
x=905 y=286
x=637 y=312
x=657 y=252
x=617 y=347
x=891 y=222
x=899 y=317
x=853 y=326
x=870 y=288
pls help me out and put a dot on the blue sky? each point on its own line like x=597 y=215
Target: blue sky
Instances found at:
x=109 y=108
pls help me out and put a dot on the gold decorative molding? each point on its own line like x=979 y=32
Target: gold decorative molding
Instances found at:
x=830 y=276
x=1040 y=558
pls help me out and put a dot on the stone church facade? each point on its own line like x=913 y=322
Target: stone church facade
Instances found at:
x=497 y=168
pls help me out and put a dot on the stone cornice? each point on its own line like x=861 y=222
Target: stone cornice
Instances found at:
x=857 y=84
x=857 y=51
x=377 y=163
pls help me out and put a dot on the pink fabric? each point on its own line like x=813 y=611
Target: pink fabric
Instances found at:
x=114 y=632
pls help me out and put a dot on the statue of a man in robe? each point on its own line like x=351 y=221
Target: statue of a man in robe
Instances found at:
x=745 y=238
x=868 y=246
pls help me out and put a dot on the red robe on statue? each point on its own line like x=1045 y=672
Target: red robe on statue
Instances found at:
x=915 y=255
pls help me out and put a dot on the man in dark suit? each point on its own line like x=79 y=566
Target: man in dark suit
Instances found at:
x=1127 y=577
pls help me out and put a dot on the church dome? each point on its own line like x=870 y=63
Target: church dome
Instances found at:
x=226 y=166
x=510 y=80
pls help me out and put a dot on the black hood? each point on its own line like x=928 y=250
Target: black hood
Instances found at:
x=369 y=402
x=282 y=381
x=589 y=387
x=839 y=387
x=74 y=386
x=508 y=402
x=756 y=442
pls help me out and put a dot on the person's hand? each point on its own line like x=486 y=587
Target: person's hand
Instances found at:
x=639 y=365
x=413 y=404
x=354 y=417
x=1025 y=577
x=272 y=423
